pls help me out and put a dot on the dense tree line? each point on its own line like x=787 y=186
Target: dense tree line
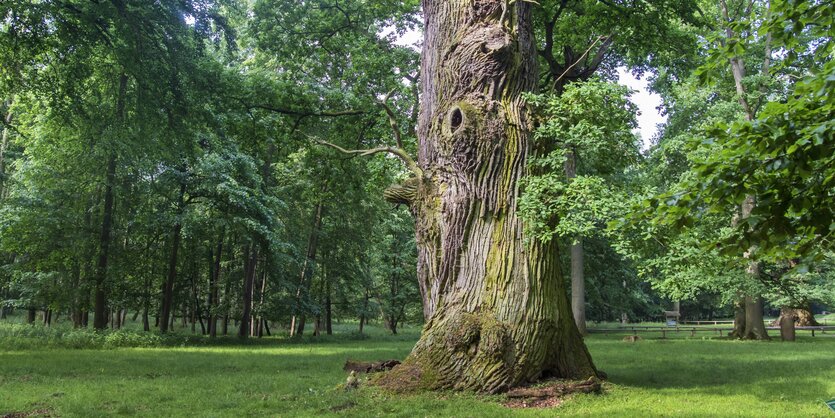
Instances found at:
x=157 y=160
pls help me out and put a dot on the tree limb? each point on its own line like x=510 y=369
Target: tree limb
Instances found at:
x=397 y=152
x=577 y=61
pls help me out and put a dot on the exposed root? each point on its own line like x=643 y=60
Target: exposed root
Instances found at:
x=550 y=394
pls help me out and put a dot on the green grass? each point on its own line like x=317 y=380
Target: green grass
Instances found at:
x=282 y=377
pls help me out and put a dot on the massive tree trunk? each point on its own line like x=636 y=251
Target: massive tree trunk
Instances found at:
x=496 y=306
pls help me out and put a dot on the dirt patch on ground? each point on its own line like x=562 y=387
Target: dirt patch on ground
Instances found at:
x=43 y=413
x=550 y=394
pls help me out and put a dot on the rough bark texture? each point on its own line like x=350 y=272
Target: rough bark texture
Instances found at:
x=754 y=321
x=497 y=310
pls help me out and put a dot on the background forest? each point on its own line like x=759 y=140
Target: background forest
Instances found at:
x=181 y=163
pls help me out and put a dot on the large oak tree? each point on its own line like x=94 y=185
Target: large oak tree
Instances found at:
x=494 y=299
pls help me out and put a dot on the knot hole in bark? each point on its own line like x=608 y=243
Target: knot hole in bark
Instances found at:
x=460 y=119
x=455 y=120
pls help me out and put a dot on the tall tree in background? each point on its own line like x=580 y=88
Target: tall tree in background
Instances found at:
x=579 y=40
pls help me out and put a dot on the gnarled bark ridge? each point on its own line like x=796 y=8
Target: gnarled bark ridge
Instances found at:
x=496 y=306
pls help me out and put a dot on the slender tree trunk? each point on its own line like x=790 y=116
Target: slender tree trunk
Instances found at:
x=100 y=320
x=578 y=279
x=328 y=307
x=497 y=309
x=168 y=287
x=261 y=320
x=196 y=310
x=250 y=265
x=213 y=287
x=146 y=321
x=297 y=321
x=4 y=143
x=227 y=288
x=578 y=285
x=75 y=307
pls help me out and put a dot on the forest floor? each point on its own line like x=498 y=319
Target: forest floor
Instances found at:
x=678 y=376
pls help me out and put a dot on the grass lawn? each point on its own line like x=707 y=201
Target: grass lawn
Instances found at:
x=279 y=377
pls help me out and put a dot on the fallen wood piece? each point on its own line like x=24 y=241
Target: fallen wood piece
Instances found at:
x=367 y=367
x=551 y=394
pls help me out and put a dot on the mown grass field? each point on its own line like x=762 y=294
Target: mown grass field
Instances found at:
x=278 y=377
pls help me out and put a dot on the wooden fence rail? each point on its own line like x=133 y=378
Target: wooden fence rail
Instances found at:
x=693 y=330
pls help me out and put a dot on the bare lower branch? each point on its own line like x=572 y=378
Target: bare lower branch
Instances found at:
x=397 y=152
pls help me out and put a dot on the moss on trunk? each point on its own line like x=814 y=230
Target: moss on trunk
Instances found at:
x=496 y=306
